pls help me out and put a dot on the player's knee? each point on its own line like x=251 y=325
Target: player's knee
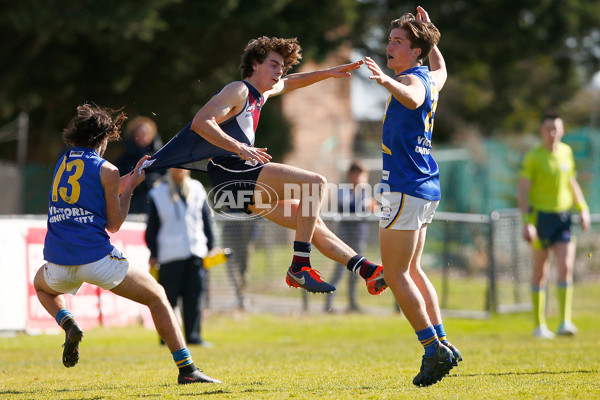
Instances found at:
x=155 y=295
x=319 y=182
x=161 y=294
x=320 y=224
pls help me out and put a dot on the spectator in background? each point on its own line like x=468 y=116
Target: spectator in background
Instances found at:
x=179 y=235
x=141 y=138
x=548 y=190
x=239 y=235
x=351 y=230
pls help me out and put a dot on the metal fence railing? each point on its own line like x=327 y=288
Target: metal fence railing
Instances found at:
x=479 y=264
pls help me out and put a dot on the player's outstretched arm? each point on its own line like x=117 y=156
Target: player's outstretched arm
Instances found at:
x=302 y=79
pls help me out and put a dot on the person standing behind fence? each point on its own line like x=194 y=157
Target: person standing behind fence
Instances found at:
x=548 y=189
x=239 y=236
x=412 y=177
x=352 y=202
x=87 y=197
x=141 y=138
x=179 y=235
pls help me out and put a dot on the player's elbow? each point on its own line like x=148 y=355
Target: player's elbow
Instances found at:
x=412 y=103
x=114 y=225
x=200 y=124
x=113 y=228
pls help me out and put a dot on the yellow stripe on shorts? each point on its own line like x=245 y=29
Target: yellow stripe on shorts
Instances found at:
x=399 y=212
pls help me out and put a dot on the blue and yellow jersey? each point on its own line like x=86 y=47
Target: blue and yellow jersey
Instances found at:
x=550 y=174
x=408 y=165
x=77 y=211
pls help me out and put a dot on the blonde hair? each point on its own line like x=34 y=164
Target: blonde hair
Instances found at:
x=138 y=121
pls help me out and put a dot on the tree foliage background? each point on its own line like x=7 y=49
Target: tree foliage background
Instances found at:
x=507 y=60
x=160 y=58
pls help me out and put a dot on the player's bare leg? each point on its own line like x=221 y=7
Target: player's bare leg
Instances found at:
x=288 y=182
x=307 y=187
x=54 y=302
x=398 y=250
x=141 y=287
x=285 y=212
x=429 y=293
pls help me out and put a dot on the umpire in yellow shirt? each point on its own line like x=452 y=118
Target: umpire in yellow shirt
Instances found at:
x=548 y=190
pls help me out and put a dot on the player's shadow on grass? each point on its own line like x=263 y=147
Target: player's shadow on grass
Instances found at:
x=106 y=388
x=517 y=373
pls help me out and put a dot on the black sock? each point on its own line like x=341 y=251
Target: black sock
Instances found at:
x=68 y=324
x=360 y=265
x=188 y=369
x=301 y=256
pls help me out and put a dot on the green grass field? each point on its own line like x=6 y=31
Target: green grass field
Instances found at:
x=316 y=357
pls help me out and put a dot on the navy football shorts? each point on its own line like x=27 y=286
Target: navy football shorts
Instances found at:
x=552 y=228
x=233 y=181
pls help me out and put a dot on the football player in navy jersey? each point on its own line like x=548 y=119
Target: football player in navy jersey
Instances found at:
x=412 y=176
x=223 y=131
x=87 y=198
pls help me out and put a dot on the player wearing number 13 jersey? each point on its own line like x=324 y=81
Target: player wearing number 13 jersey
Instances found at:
x=77 y=210
x=87 y=198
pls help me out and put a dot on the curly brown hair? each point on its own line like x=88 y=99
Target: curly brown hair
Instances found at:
x=92 y=125
x=422 y=35
x=258 y=49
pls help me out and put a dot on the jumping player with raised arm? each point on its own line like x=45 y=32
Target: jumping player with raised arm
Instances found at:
x=223 y=132
x=412 y=176
x=87 y=198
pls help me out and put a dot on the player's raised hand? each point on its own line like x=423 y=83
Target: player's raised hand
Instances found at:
x=343 y=71
x=422 y=15
x=378 y=74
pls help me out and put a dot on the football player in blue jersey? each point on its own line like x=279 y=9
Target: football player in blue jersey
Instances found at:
x=412 y=176
x=87 y=198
